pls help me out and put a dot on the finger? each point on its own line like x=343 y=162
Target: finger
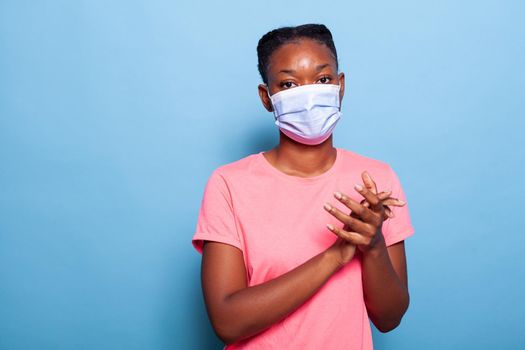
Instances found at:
x=389 y=213
x=352 y=222
x=369 y=183
x=381 y=196
x=384 y=195
x=348 y=236
x=371 y=198
x=394 y=202
x=357 y=208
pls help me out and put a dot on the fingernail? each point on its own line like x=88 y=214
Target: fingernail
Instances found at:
x=330 y=227
x=338 y=195
x=327 y=206
x=358 y=187
x=402 y=202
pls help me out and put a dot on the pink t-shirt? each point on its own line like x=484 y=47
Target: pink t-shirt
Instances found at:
x=278 y=222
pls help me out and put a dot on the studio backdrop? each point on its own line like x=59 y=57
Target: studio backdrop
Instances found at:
x=113 y=114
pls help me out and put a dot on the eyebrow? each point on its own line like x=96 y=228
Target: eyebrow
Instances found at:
x=317 y=69
x=321 y=67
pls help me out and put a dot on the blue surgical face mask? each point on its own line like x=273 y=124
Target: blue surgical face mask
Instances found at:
x=307 y=113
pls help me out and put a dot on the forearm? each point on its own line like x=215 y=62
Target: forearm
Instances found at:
x=253 y=309
x=386 y=296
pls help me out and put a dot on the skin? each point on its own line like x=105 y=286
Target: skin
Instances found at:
x=237 y=311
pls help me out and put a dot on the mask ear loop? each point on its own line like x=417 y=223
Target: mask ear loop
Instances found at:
x=339 y=96
x=268 y=91
x=270 y=97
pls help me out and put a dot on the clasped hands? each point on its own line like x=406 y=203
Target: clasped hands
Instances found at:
x=362 y=227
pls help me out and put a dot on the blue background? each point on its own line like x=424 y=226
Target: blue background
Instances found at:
x=114 y=114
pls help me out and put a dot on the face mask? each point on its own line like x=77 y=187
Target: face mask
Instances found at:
x=308 y=113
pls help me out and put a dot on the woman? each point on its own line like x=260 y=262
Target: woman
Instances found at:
x=299 y=249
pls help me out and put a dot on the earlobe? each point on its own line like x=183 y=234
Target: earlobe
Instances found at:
x=265 y=98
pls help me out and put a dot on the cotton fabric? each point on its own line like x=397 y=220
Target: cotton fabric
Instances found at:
x=278 y=222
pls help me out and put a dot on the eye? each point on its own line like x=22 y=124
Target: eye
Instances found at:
x=287 y=84
x=324 y=80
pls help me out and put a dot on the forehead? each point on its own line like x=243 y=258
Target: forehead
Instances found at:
x=300 y=53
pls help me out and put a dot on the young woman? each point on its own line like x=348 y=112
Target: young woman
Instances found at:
x=299 y=247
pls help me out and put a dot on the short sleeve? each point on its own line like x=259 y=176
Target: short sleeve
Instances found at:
x=216 y=221
x=399 y=227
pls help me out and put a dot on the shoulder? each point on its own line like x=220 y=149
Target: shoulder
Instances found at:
x=224 y=178
x=381 y=172
x=238 y=169
x=357 y=161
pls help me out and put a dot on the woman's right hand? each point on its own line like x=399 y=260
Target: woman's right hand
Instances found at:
x=344 y=251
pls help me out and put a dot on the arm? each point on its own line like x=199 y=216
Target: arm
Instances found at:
x=237 y=311
x=385 y=281
x=384 y=272
x=385 y=285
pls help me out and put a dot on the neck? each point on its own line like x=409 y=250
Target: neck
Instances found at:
x=296 y=159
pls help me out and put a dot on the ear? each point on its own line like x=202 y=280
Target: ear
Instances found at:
x=341 y=78
x=265 y=99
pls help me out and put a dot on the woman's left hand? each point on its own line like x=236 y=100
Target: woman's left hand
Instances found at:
x=383 y=196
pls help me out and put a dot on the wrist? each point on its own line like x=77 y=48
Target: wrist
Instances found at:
x=332 y=258
x=378 y=250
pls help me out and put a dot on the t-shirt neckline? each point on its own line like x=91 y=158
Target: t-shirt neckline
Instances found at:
x=298 y=179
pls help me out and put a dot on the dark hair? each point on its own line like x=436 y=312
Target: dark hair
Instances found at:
x=274 y=39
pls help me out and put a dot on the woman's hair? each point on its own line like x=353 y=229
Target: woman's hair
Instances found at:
x=274 y=39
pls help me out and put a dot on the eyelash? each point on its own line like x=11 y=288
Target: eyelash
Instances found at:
x=325 y=77
x=284 y=83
